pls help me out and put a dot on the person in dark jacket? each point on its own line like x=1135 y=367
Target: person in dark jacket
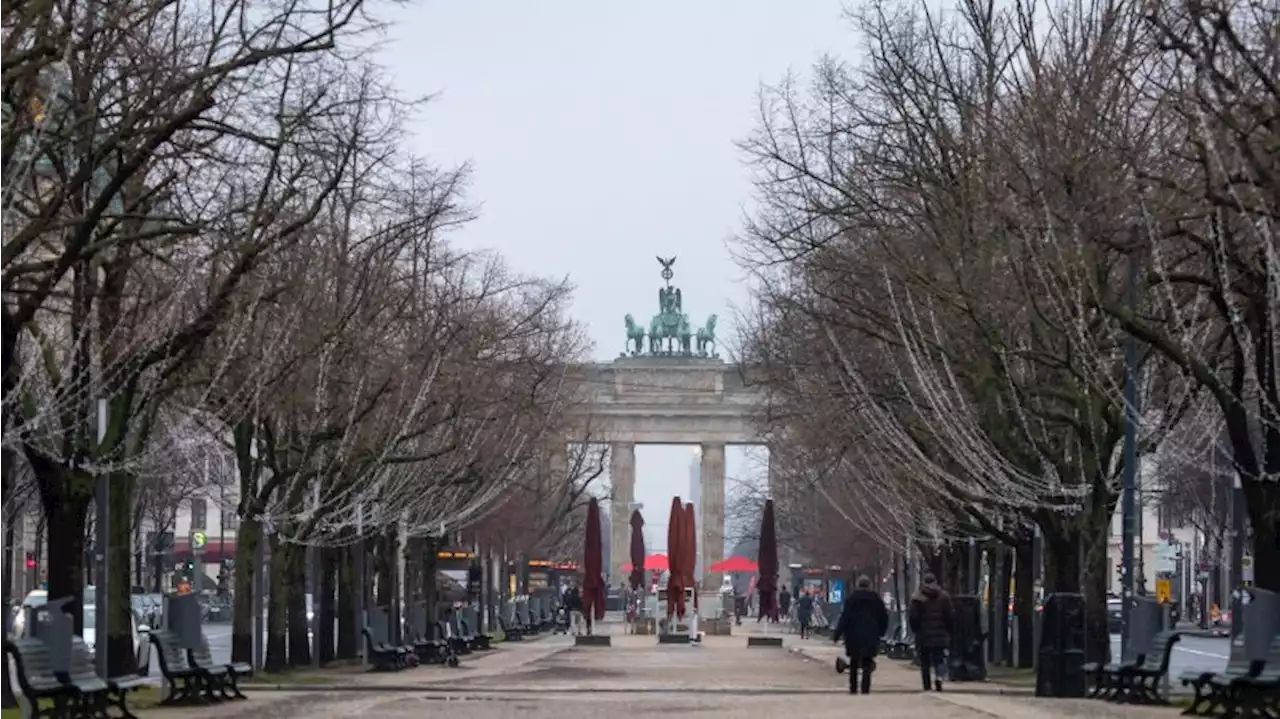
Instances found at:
x=784 y=602
x=804 y=614
x=573 y=602
x=930 y=618
x=863 y=621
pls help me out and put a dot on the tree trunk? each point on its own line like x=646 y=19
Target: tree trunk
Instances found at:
x=347 y=631
x=430 y=589
x=1062 y=565
x=1263 y=500
x=121 y=657
x=1002 y=582
x=1025 y=601
x=325 y=608
x=7 y=458
x=66 y=518
x=248 y=536
x=383 y=558
x=1097 y=633
x=277 y=658
x=296 y=577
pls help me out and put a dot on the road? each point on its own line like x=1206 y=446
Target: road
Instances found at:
x=1192 y=653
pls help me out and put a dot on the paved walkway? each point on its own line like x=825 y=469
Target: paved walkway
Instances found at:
x=551 y=678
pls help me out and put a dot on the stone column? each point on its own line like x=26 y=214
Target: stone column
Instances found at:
x=558 y=465
x=775 y=479
x=712 y=479
x=622 y=475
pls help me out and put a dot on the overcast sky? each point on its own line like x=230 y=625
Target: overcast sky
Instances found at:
x=602 y=134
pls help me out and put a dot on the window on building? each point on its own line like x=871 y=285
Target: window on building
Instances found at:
x=230 y=519
x=199 y=513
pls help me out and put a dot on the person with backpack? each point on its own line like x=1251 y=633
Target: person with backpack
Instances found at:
x=863 y=621
x=931 y=620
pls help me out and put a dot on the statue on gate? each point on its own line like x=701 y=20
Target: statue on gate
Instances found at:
x=670 y=332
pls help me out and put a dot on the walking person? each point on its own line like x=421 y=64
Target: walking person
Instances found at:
x=863 y=620
x=784 y=602
x=573 y=602
x=931 y=618
x=804 y=613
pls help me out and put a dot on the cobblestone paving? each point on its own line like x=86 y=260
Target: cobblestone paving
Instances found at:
x=723 y=678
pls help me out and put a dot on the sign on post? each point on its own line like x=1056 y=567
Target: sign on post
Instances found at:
x=1166 y=558
x=1164 y=590
x=1246 y=569
x=199 y=539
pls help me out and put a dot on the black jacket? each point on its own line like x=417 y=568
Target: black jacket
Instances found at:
x=863 y=621
x=930 y=617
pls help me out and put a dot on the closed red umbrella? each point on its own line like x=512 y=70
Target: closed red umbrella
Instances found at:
x=675 y=558
x=593 y=565
x=768 y=584
x=637 y=551
x=691 y=551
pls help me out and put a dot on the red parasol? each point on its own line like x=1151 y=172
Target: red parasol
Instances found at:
x=637 y=551
x=652 y=562
x=768 y=584
x=593 y=597
x=690 y=564
x=736 y=563
x=675 y=545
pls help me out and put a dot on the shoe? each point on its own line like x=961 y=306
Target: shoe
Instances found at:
x=937 y=686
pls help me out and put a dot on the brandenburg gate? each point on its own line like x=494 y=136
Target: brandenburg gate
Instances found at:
x=670 y=386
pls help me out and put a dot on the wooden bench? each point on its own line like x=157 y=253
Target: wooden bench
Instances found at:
x=430 y=648
x=511 y=632
x=1253 y=693
x=480 y=640
x=1106 y=676
x=1140 y=684
x=183 y=683
x=457 y=643
x=224 y=678
x=95 y=693
x=33 y=664
x=1259 y=695
x=1207 y=700
x=381 y=656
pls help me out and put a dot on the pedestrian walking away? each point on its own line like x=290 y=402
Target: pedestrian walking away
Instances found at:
x=804 y=614
x=863 y=620
x=784 y=602
x=930 y=618
x=573 y=602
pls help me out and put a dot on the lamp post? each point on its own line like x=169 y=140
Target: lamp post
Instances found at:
x=1129 y=487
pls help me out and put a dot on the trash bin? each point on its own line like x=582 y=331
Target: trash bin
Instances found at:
x=1060 y=670
x=968 y=659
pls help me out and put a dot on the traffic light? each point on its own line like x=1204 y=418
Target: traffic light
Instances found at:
x=31 y=560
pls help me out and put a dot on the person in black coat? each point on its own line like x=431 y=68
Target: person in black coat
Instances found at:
x=863 y=621
x=931 y=619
